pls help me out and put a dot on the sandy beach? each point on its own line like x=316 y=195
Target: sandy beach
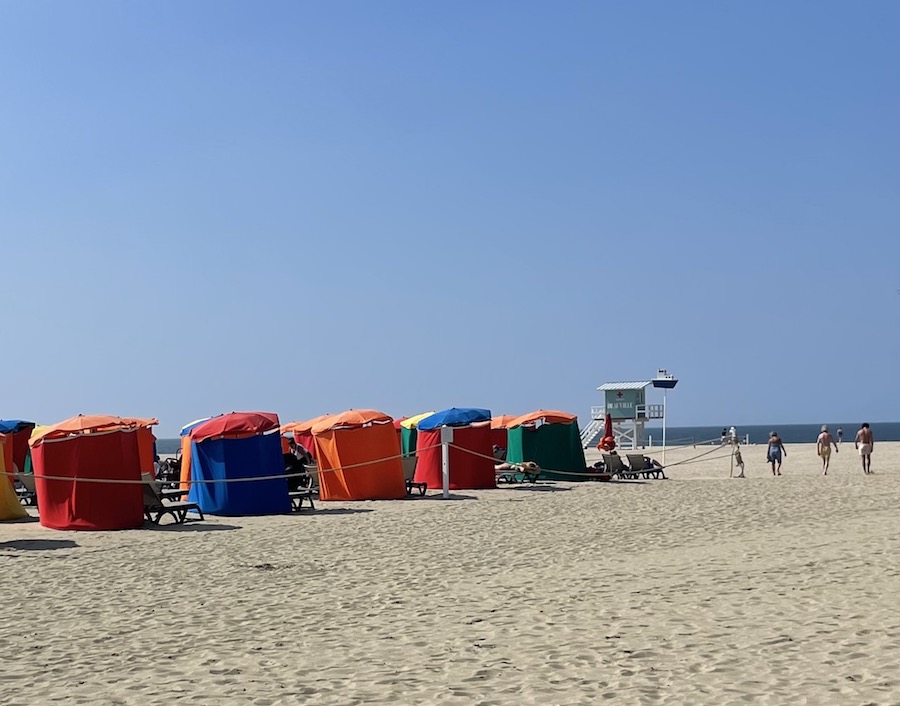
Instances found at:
x=696 y=590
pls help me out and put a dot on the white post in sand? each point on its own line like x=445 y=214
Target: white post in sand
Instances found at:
x=446 y=440
x=664 y=429
x=665 y=381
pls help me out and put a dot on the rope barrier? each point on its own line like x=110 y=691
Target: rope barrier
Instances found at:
x=126 y=481
x=305 y=473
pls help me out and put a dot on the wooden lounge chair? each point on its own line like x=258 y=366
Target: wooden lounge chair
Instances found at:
x=645 y=466
x=616 y=467
x=27 y=493
x=155 y=506
x=409 y=474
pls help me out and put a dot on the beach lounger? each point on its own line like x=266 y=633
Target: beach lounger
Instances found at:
x=615 y=466
x=409 y=474
x=644 y=466
x=527 y=472
x=155 y=506
x=298 y=496
x=27 y=493
x=312 y=469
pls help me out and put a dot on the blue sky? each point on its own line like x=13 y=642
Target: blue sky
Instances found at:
x=309 y=207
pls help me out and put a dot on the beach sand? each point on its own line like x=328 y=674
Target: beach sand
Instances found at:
x=696 y=590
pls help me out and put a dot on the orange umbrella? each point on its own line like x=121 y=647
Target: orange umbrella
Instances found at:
x=550 y=416
x=87 y=424
x=501 y=421
x=303 y=427
x=352 y=418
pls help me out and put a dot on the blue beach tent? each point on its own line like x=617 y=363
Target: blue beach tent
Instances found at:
x=237 y=446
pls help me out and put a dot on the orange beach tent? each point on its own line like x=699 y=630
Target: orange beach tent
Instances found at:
x=358 y=452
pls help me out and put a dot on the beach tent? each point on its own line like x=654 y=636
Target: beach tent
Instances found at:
x=359 y=457
x=409 y=432
x=236 y=446
x=302 y=432
x=551 y=439
x=89 y=447
x=499 y=426
x=20 y=431
x=10 y=507
x=471 y=433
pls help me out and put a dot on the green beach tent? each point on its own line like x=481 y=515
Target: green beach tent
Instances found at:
x=409 y=429
x=551 y=439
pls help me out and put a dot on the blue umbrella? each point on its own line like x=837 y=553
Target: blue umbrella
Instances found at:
x=11 y=426
x=455 y=417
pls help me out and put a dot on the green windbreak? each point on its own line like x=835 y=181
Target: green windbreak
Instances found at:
x=554 y=447
x=408 y=441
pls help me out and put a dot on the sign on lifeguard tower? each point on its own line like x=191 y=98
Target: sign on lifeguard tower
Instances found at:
x=624 y=402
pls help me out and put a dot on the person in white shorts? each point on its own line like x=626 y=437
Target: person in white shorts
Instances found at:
x=865 y=443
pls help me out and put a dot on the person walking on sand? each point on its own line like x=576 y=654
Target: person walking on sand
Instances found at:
x=840 y=436
x=823 y=448
x=774 y=453
x=864 y=444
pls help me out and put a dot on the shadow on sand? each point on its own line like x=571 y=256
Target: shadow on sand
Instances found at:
x=38 y=545
x=335 y=511
x=440 y=496
x=191 y=527
x=540 y=488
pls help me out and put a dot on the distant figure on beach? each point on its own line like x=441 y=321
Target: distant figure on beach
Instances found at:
x=823 y=448
x=774 y=452
x=724 y=436
x=840 y=435
x=864 y=443
x=739 y=460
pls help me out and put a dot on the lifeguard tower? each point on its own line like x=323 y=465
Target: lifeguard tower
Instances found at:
x=627 y=406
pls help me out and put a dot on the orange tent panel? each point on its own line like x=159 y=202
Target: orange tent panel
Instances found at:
x=184 y=477
x=361 y=463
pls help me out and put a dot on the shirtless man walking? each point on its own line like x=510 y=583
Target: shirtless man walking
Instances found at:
x=864 y=443
x=823 y=448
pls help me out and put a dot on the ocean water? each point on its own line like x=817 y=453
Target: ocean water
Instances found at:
x=687 y=436
x=759 y=434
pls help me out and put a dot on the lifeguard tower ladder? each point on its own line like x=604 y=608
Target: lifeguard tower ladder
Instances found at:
x=628 y=408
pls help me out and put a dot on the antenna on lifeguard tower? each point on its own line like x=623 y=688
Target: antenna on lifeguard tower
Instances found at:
x=666 y=382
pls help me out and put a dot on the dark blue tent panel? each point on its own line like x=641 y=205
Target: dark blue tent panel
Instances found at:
x=454 y=417
x=11 y=426
x=251 y=457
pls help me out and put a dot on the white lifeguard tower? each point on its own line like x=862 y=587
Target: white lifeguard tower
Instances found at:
x=627 y=406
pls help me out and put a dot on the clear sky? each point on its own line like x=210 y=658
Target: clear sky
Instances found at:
x=304 y=207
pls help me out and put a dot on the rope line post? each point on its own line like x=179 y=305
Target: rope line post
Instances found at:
x=446 y=440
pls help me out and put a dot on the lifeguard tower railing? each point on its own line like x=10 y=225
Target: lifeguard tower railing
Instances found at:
x=627 y=436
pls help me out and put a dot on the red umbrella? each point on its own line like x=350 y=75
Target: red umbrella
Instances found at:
x=608 y=442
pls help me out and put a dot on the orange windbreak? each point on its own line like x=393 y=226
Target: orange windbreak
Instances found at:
x=550 y=416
